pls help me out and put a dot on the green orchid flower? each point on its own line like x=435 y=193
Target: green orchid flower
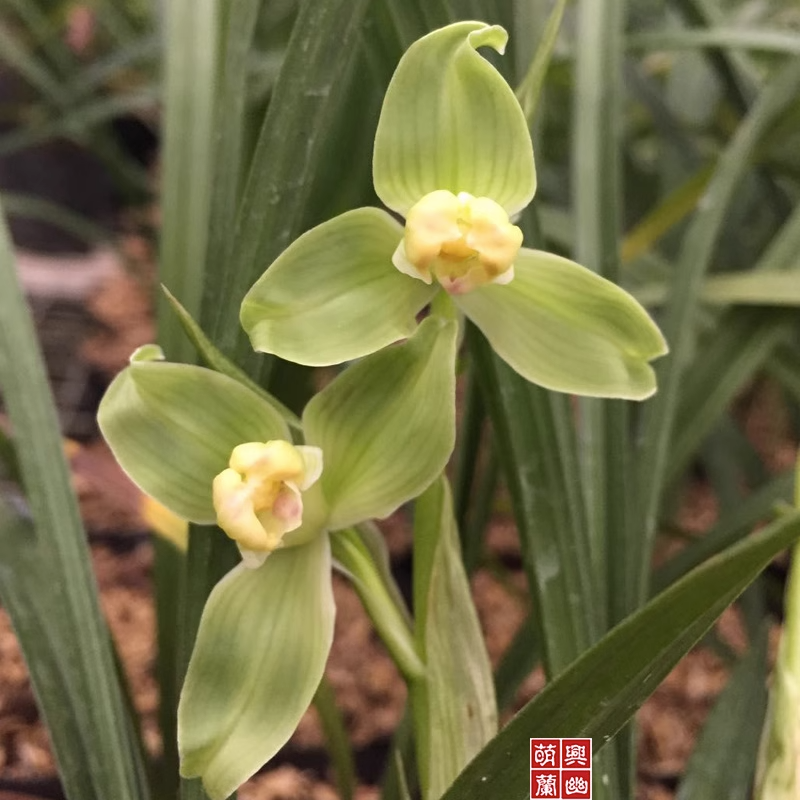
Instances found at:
x=453 y=157
x=212 y=450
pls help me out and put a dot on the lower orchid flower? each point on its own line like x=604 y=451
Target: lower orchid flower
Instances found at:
x=453 y=157
x=212 y=450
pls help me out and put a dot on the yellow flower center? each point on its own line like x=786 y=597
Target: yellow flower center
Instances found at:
x=258 y=498
x=461 y=240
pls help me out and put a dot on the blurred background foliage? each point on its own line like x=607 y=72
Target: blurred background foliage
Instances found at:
x=667 y=142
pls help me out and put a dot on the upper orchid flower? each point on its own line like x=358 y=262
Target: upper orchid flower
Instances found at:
x=453 y=156
x=211 y=449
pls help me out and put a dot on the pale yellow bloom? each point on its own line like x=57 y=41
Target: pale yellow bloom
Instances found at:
x=462 y=241
x=258 y=499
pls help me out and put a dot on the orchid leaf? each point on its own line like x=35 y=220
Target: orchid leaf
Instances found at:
x=260 y=654
x=47 y=586
x=172 y=428
x=598 y=693
x=334 y=295
x=530 y=90
x=723 y=760
x=565 y=328
x=386 y=425
x=450 y=121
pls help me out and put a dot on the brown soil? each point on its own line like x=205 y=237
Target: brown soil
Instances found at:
x=367 y=685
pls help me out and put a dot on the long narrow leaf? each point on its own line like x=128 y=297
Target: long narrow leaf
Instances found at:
x=728 y=361
x=530 y=90
x=730 y=529
x=189 y=97
x=291 y=150
x=191 y=48
x=228 y=157
x=98 y=756
x=771 y=41
x=724 y=759
x=600 y=692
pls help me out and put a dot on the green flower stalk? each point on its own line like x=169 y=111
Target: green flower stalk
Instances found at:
x=213 y=450
x=453 y=157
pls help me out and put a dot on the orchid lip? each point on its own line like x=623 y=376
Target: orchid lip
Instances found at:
x=463 y=241
x=258 y=498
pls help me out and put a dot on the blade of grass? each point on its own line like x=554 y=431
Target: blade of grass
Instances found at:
x=770 y=41
x=745 y=288
x=678 y=143
x=142 y=54
x=33 y=69
x=77 y=123
x=603 y=424
x=784 y=366
x=168 y=577
x=44 y=32
x=739 y=345
x=400 y=778
x=732 y=527
x=414 y=18
x=728 y=361
x=50 y=652
x=529 y=91
x=30 y=207
x=731 y=464
x=670 y=211
x=337 y=740
x=113 y=17
x=481 y=510
x=518 y=662
x=723 y=760
x=735 y=70
x=470 y=431
x=101 y=760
